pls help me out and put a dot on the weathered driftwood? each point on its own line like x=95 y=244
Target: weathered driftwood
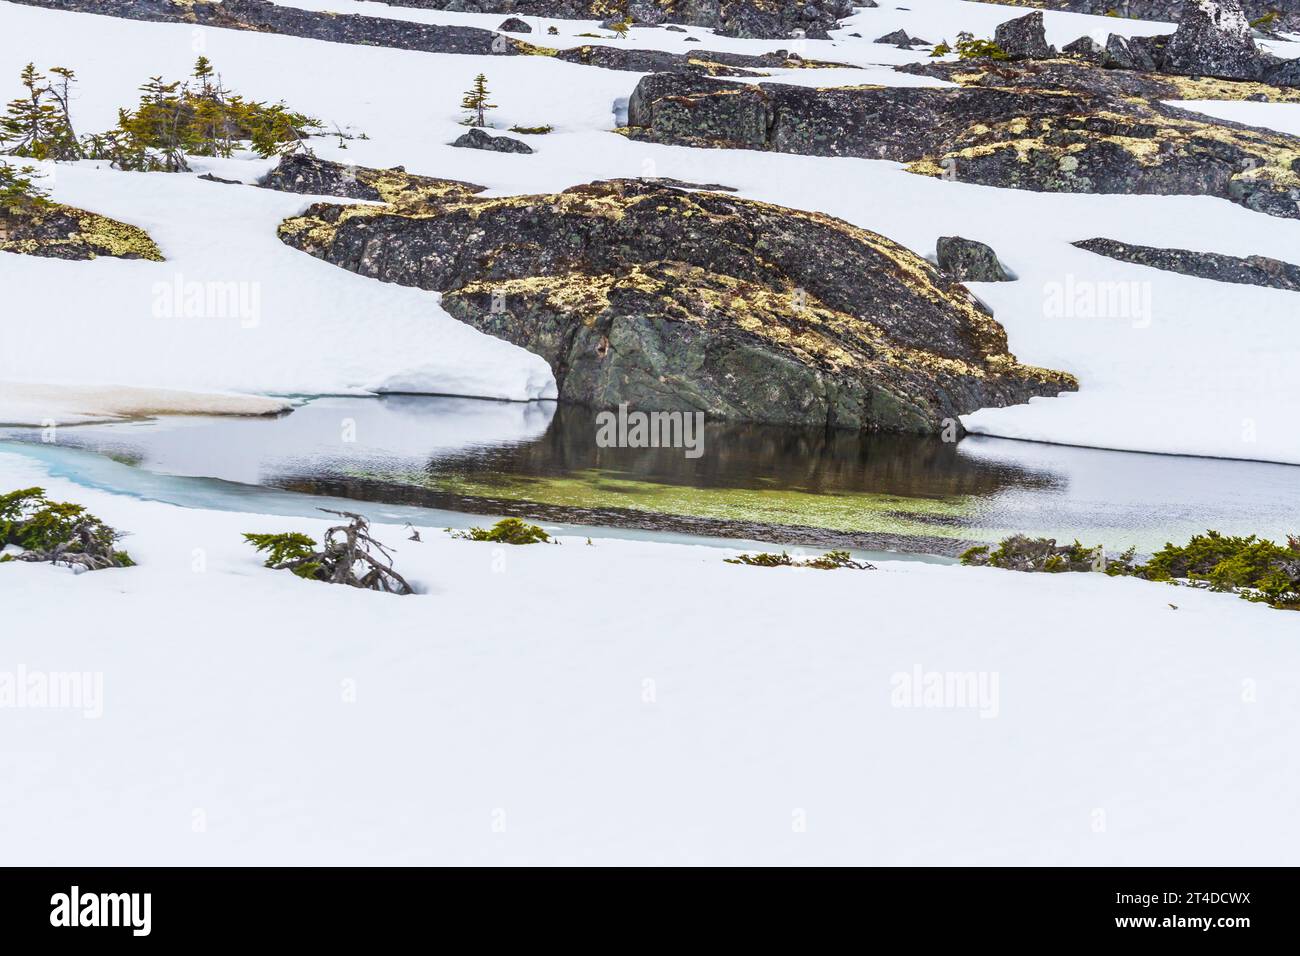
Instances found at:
x=87 y=548
x=349 y=556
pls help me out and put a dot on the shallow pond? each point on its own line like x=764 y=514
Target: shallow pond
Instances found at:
x=796 y=486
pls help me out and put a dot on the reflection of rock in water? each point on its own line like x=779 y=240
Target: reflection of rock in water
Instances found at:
x=816 y=460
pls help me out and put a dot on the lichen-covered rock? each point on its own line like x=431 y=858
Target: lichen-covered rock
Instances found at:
x=1251 y=270
x=303 y=173
x=969 y=260
x=1060 y=125
x=1024 y=38
x=666 y=299
x=478 y=139
x=56 y=231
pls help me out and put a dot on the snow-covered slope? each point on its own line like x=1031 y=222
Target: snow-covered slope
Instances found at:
x=631 y=703
x=1187 y=366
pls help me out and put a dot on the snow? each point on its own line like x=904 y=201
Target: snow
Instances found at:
x=45 y=405
x=1204 y=370
x=633 y=701
x=1283 y=117
x=630 y=703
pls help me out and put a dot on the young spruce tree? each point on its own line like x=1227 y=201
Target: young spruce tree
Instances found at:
x=38 y=124
x=476 y=102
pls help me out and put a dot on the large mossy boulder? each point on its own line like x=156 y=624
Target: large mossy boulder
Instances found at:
x=669 y=299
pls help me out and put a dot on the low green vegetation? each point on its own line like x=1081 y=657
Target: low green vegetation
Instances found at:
x=507 y=531
x=18 y=192
x=533 y=130
x=60 y=532
x=829 y=561
x=198 y=116
x=971 y=48
x=1254 y=568
x=347 y=555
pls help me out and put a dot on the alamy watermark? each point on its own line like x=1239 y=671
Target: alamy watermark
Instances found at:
x=25 y=689
x=207 y=299
x=625 y=429
x=1088 y=299
x=946 y=690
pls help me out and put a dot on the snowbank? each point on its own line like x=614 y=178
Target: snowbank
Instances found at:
x=44 y=405
x=631 y=703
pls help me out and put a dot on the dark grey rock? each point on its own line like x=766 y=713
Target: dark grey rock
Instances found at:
x=1251 y=270
x=970 y=261
x=1125 y=54
x=897 y=38
x=478 y=139
x=1086 y=48
x=515 y=25
x=1214 y=39
x=1024 y=38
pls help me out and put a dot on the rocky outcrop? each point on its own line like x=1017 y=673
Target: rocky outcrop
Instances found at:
x=754 y=19
x=1024 y=38
x=477 y=139
x=56 y=231
x=265 y=17
x=1056 y=126
x=668 y=300
x=969 y=260
x=1267 y=14
x=514 y=25
x=1251 y=270
x=1213 y=39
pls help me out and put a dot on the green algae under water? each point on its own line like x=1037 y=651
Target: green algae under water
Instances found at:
x=809 y=487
